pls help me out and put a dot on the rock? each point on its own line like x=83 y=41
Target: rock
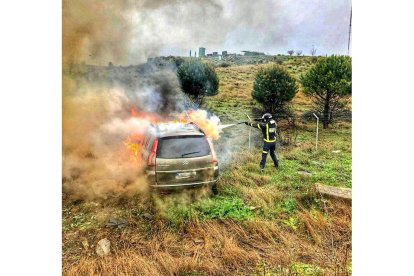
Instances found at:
x=345 y=193
x=254 y=207
x=103 y=247
x=85 y=243
x=304 y=173
x=336 y=151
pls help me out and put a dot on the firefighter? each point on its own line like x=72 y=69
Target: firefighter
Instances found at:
x=268 y=128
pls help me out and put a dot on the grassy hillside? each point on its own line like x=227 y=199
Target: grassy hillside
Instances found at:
x=236 y=82
x=273 y=223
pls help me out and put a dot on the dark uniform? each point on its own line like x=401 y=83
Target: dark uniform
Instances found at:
x=268 y=129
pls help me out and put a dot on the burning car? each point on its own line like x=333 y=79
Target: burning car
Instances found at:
x=179 y=155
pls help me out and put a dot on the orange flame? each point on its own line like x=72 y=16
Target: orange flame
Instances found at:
x=133 y=146
x=208 y=125
x=133 y=112
x=133 y=142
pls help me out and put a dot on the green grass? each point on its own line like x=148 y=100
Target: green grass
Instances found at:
x=297 y=269
x=82 y=219
x=220 y=207
x=326 y=164
x=302 y=269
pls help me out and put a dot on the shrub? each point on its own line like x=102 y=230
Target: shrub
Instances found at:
x=328 y=82
x=273 y=88
x=198 y=80
x=278 y=60
x=224 y=64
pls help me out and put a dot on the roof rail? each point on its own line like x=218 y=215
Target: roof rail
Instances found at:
x=199 y=128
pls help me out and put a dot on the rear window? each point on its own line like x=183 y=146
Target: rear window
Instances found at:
x=182 y=147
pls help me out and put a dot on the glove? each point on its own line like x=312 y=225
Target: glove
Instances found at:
x=247 y=123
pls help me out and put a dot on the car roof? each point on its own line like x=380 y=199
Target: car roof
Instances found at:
x=177 y=129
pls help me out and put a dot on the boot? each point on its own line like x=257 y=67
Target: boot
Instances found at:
x=277 y=165
x=261 y=168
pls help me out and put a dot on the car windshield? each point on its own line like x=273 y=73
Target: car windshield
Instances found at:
x=182 y=147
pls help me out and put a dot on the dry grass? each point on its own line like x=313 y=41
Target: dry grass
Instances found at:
x=236 y=83
x=218 y=247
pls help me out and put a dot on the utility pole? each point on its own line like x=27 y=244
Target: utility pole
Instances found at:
x=349 y=34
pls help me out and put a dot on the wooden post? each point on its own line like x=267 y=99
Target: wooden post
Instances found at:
x=317 y=130
x=250 y=129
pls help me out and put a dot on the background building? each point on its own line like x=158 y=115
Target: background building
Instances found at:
x=201 y=52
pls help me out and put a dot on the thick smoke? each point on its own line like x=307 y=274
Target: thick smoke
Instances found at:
x=95 y=31
x=98 y=101
x=106 y=113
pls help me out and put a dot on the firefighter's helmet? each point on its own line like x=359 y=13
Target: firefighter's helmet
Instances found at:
x=266 y=117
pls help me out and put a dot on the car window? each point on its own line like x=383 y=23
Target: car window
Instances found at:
x=182 y=147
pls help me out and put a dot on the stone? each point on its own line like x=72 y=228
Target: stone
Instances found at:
x=103 y=247
x=345 y=193
x=304 y=173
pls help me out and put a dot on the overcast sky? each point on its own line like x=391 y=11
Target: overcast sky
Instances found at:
x=129 y=32
x=270 y=26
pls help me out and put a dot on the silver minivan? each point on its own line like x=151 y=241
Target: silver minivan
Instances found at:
x=179 y=156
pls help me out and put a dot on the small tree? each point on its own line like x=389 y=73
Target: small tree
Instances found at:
x=299 y=52
x=290 y=52
x=198 y=80
x=274 y=87
x=328 y=82
x=313 y=51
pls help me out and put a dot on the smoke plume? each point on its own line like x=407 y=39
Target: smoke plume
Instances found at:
x=105 y=111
